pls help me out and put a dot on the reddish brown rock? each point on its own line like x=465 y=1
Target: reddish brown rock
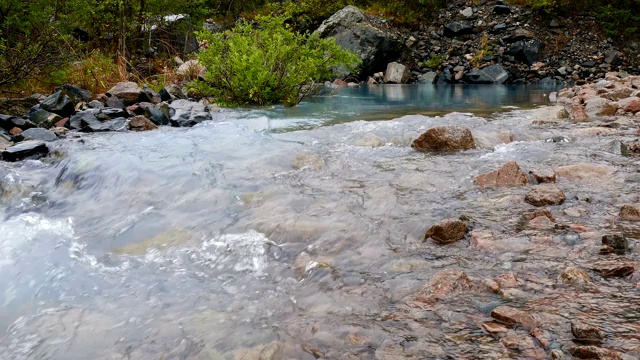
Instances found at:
x=127 y=91
x=584 y=171
x=594 y=353
x=630 y=212
x=543 y=337
x=443 y=285
x=630 y=104
x=141 y=123
x=541 y=223
x=508 y=280
x=493 y=327
x=530 y=215
x=513 y=316
x=15 y=131
x=482 y=239
x=445 y=138
x=614 y=267
x=447 y=231
x=543 y=175
x=508 y=175
x=523 y=346
x=545 y=194
x=62 y=123
x=577 y=113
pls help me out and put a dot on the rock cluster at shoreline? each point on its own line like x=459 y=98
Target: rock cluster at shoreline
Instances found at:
x=125 y=107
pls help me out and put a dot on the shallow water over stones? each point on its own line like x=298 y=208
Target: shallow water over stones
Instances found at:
x=231 y=240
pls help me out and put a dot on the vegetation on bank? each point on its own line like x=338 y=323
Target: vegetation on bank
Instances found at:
x=95 y=43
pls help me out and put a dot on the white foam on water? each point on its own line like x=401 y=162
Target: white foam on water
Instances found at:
x=23 y=229
x=240 y=252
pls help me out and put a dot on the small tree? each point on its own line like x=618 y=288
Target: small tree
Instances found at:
x=266 y=63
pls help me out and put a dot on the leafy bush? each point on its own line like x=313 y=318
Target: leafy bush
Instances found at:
x=618 y=21
x=266 y=62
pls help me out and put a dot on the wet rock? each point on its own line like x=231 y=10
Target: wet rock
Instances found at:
x=493 y=327
x=526 y=51
x=58 y=103
x=577 y=113
x=60 y=131
x=396 y=73
x=75 y=93
x=523 y=346
x=95 y=104
x=141 y=123
x=117 y=124
x=482 y=239
x=81 y=119
x=557 y=354
x=584 y=171
x=509 y=175
x=443 y=285
x=543 y=337
x=428 y=78
x=356 y=31
x=617 y=242
x=455 y=28
x=492 y=74
x=508 y=280
x=129 y=92
x=545 y=194
x=541 y=223
x=512 y=316
x=308 y=161
x=571 y=275
x=24 y=150
x=614 y=267
x=38 y=134
x=445 y=138
x=586 y=333
x=630 y=105
x=530 y=215
x=543 y=175
x=185 y=113
x=156 y=116
x=594 y=353
x=630 y=212
x=447 y=231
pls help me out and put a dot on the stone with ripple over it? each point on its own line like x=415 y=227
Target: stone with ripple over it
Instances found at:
x=508 y=175
x=445 y=138
x=545 y=194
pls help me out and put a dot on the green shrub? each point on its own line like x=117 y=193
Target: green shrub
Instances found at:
x=266 y=63
x=617 y=21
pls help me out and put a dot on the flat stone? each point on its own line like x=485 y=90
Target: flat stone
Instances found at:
x=594 y=353
x=614 y=267
x=545 y=194
x=513 y=316
x=447 y=231
x=493 y=327
x=445 y=138
x=492 y=74
x=443 y=285
x=38 y=134
x=586 y=333
x=630 y=212
x=508 y=175
x=25 y=149
x=58 y=103
x=530 y=215
x=454 y=29
x=126 y=91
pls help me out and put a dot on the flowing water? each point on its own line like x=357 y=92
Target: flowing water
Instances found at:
x=297 y=234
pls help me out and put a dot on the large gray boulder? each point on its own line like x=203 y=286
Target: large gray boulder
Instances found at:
x=493 y=74
x=185 y=113
x=355 y=31
x=396 y=74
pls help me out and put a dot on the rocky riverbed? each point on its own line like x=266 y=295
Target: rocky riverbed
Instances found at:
x=453 y=237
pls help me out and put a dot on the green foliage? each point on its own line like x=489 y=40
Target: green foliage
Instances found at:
x=267 y=62
x=618 y=21
x=434 y=62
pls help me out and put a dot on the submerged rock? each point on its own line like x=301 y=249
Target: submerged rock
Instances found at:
x=24 y=150
x=447 y=231
x=614 y=267
x=508 y=175
x=586 y=333
x=617 y=242
x=545 y=194
x=443 y=284
x=445 y=138
x=543 y=175
x=594 y=353
x=513 y=316
x=630 y=212
x=571 y=275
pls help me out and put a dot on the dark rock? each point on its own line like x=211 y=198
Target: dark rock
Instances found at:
x=76 y=94
x=141 y=123
x=554 y=24
x=16 y=122
x=493 y=74
x=129 y=92
x=614 y=267
x=501 y=9
x=508 y=175
x=39 y=117
x=512 y=316
x=545 y=194
x=38 y=134
x=445 y=138
x=156 y=116
x=185 y=113
x=630 y=212
x=594 y=353
x=353 y=30
x=586 y=333
x=428 y=78
x=112 y=113
x=19 y=106
x=455 y=28
x=612 y=57
x=165 y=95
x=447 y=231
x=79 y=120
x=117 y=124
x=526 y=51
x=499 y=28
x=58 y=103
x=588 y=64
x=114 y=102
x=24 y=150
x=520 y=34
x=617 y=242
